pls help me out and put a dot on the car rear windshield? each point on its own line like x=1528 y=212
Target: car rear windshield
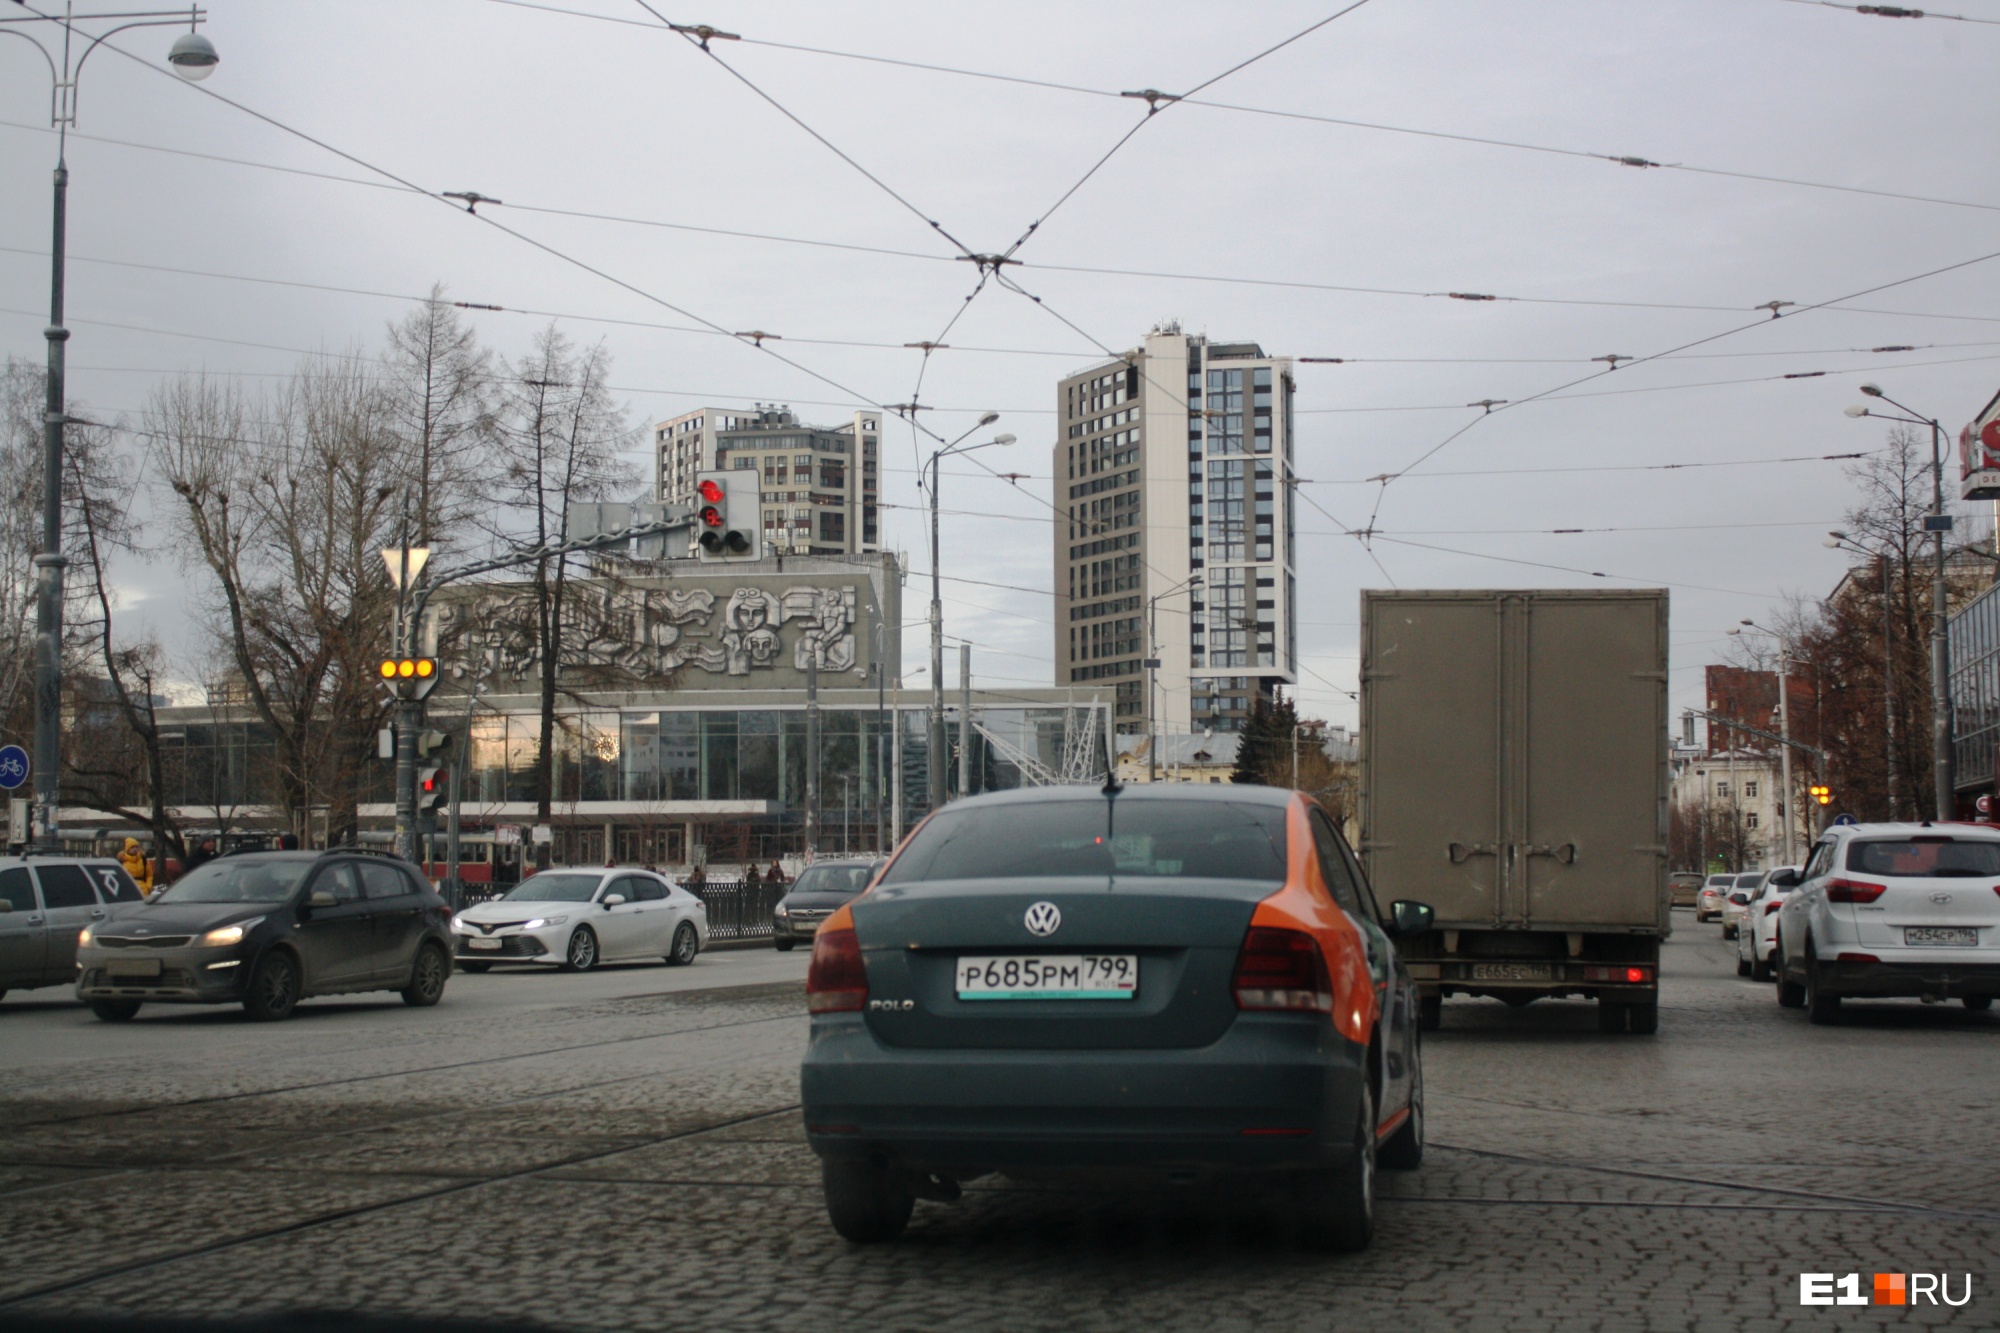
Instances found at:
x=1748 y=881
x=1099 y=836
x=237 y=879
x=1942 y=858
x=834 y=879
x=554 y=889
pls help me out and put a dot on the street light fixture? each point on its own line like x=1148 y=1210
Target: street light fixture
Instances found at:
x=1937 y=522
x=936 y=764
x=193 y=56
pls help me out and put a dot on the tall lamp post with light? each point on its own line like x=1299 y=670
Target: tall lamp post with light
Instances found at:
x=930 y=477
x=193 y=57
x=1937 y=523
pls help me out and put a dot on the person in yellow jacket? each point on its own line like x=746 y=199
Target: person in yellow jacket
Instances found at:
x=133 y=858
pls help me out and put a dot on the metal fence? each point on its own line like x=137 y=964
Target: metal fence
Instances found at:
x=736 y=910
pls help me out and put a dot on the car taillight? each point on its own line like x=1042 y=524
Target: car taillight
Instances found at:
x=1282 y=969
x=1853 y=891
x=1628 y=974
x=1772 y=907
x=837 y=981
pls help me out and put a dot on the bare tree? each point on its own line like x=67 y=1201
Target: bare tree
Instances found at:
x=286 y=503
x=559 y=443
x=442 y=403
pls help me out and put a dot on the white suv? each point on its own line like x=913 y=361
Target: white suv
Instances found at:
x=1893 y=909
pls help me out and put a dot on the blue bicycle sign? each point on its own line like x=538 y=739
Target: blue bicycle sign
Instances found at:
x=13 y=766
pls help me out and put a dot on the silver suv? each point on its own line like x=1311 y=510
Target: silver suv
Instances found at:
x=45 y=901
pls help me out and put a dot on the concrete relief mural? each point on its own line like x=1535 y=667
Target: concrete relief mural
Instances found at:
x=652 y=633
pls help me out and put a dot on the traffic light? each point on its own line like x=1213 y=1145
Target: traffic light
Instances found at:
x=432 y=784
x=410 y=677
x=1824 y=795
x=729 y=515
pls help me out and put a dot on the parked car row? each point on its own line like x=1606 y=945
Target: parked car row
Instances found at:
x=268 y=929
x=1889 y=910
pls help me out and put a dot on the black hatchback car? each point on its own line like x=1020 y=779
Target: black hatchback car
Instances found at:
x=268 y=929
x=821 y=889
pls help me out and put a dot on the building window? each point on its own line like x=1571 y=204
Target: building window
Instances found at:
x=1722 y=790
x=1750 y=792
x=1750 y=820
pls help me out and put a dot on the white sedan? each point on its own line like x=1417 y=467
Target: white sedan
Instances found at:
x=578 y=917
x=1757 y=937
x=1893 y=909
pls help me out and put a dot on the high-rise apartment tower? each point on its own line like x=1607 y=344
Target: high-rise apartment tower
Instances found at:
x=820 y=483
x=1173 y=471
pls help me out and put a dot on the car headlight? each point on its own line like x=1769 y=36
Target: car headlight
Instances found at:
x=541 y=921
x=783 y=910
x=461 y=925
x=83 y=938
x=226 y=935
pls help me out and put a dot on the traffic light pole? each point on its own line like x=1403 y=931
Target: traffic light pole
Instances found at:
x=409 y=721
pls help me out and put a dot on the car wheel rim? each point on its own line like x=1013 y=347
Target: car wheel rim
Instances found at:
x=430 y=973
x=684 y=945
x=582 y=949
x=277 y=986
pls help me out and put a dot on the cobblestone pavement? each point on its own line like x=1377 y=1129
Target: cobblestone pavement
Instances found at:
x=623 y=1151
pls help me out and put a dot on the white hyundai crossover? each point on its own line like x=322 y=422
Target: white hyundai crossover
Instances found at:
x=578 y=917
x=1757 y=936
x=1893 y=909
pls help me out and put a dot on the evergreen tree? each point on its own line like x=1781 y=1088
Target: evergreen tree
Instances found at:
x=1253 y=745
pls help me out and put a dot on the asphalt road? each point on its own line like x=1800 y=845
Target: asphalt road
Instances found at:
x=622 y=1150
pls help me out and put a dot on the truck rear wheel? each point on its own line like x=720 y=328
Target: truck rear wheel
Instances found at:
x=1645 y=1017
x=1611 y=1015
x=1430 y=1013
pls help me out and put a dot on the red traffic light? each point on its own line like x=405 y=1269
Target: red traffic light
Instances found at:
x=711 y=492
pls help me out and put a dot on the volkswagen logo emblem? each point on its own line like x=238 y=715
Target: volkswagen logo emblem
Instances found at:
x=1043 y=919
x=1940 y=898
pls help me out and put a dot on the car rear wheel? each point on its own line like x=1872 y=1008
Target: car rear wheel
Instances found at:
x=475 y=967
x=1820 y=1007
x=1610 y=1015
x=273 y=991
x=114 y=1011
x=867 y=1201
x=1344 y=1209
x=1729 y=932
x=427 y=978
x=1743 y=966
x=686 y=945
x=782 y=945
x=581 y=955
x=1760 y=970
x=1791 y=995
x=1977 y=1003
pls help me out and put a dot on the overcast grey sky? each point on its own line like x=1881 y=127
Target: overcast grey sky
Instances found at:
x=549 y=111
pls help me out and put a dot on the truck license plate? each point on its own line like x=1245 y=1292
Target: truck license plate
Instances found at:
x=1966 y=937
x=1513 y=972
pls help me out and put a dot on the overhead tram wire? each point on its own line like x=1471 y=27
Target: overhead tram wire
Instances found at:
x=524 y=238
x=1153 y=274
x=1892 y=11
x=1629 y=160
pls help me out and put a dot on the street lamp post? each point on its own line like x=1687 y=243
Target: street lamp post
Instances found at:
x=193 y=57
x=937 y=771
x=1938 y=523
x=1191 y=582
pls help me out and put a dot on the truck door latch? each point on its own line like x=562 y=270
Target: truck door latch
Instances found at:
x=1563 y=852
x=1461 y=853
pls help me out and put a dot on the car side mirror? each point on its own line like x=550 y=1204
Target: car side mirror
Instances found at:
x=1785 y=879
x=612 y=900
x=1410 y=918
x=321 y=898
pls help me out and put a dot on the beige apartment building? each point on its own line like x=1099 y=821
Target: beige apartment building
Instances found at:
x=1173 y=470
x=821 y=484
